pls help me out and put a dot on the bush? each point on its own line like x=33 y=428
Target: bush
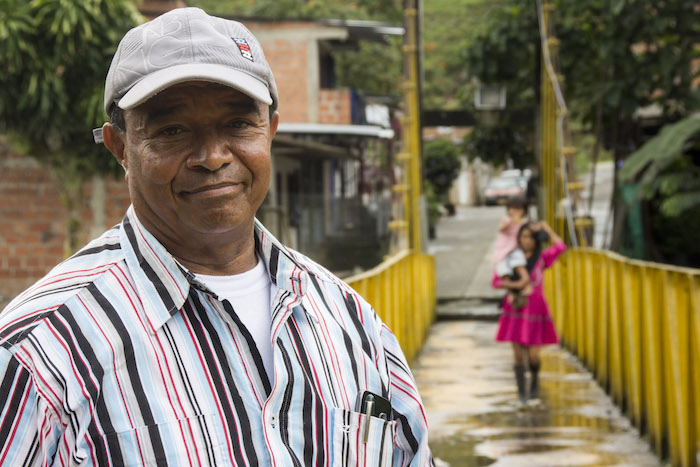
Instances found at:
x=442 y=164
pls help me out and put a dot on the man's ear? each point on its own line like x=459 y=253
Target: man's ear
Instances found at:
x=273 y=124
x=113 y=138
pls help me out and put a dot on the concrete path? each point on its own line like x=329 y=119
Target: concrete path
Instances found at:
x=462 y=250
x=467 y=384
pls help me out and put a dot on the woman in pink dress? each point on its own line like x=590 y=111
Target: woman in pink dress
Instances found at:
x=530 y=327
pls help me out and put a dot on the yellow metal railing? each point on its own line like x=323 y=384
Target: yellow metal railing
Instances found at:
x=636 y=326
x=403 y=293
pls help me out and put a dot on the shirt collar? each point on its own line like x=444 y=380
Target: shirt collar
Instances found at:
x=286 y=272
x=163 y=284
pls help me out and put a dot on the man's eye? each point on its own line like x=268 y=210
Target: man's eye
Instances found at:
x=238 y=124
x=171 y=131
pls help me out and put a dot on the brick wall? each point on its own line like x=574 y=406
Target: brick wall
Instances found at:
x=334 y=106
x=33 y=219
x=287 y=55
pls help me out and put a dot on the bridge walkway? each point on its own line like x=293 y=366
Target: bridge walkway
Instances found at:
x=467 y=384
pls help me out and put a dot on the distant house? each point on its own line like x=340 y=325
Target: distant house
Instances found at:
x=332 y=156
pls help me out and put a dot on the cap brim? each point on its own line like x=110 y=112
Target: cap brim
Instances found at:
x=163 y=79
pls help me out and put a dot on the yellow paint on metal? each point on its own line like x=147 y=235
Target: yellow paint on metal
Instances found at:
x=633 y=368
x=636 y=325
x=398 y=224
x=402 y=291
x=615 y=334
x=694 y=409
x=568 y=151
x=576 y=186
x=603 y=322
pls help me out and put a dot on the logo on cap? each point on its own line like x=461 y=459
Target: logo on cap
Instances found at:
x=244 y=48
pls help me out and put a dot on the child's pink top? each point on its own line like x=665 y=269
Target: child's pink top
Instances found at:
x=506 y=240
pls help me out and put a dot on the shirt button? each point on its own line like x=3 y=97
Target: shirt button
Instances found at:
x=273 y=420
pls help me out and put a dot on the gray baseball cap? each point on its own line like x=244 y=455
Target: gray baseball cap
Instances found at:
x=186 y=44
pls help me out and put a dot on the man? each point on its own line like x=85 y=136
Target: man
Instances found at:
x=187 y=335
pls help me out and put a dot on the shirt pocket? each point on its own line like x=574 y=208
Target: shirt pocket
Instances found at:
x=348 y=432
x=194 y=441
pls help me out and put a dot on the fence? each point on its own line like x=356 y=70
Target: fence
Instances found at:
x=402 y=291
x=636 y=326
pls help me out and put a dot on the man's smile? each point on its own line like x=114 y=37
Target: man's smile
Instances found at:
x=213 y=190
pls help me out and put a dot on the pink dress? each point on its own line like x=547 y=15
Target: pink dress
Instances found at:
x=531 y=325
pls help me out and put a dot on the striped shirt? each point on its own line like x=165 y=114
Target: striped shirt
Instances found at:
x=119 y=356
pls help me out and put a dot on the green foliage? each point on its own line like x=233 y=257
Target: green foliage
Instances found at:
x=447 y=25
x=677 y=237
x=385 y=62
x=644 y=59
x=378 y=10
x=441 y=165
x=499 y=143
x=661 y=151
x=505 y=53
x=666 y=167
x=55 y=55
x=585 y=143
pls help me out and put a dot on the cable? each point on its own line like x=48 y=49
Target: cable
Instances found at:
x=563 y=112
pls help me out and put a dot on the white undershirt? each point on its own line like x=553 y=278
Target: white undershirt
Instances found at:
x=249 y=295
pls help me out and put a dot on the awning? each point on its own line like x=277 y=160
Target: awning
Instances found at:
x=331 y=129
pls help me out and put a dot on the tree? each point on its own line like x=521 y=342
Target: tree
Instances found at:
x=666 y=172
x=441 y=163
x=645 y=59
x=619 y=60
x=447 y=26
x=55 y=55
x=614 y=74
x=668 y=167
x=505 y=53
x=378 y=10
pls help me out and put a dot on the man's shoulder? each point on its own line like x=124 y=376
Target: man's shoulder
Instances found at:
x=62 y=283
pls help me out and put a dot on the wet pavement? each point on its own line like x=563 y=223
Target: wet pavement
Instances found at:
x=467 y=385
x=460 y=247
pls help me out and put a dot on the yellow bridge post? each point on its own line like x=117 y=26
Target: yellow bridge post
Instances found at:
x=402 y=289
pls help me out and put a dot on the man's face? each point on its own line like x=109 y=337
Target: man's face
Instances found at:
x=197 y=157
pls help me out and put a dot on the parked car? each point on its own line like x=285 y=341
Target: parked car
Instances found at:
x=522 y=175
x=511 y=173
x=499 y=189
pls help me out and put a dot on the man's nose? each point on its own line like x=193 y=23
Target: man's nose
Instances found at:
x=210 y=152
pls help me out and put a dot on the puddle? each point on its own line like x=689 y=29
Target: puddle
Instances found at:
x=468 y=388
